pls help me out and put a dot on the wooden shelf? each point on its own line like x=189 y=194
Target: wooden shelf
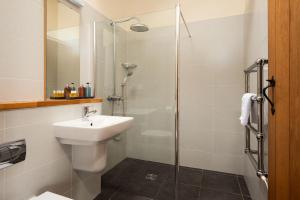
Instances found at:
x=50 y=102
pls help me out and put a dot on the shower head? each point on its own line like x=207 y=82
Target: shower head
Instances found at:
x=139 y=27
x=136 y=27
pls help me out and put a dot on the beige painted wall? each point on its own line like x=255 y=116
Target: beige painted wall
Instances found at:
x=193 y=10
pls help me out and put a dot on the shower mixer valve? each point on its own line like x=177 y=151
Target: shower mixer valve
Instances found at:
x=115 y=98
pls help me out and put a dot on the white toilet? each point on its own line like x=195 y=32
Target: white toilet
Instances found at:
x=49 y=196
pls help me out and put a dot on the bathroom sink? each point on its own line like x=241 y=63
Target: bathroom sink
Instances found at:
x=89 y=138
x=94 y=129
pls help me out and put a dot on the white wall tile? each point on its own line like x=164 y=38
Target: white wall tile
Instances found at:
x=229 y=143
x=48 y=163
x=230 y=75
x=227 y=163
x=195 y=158
x=2 y=120
x=228 y=97
x=42 y=147
x=211 y=88
x=22 y=50
x=54 y=177
x=227 y=119
x=2 y=175
x=195 y=140
x=2 y=188
x=21 y=89
x=196 y=118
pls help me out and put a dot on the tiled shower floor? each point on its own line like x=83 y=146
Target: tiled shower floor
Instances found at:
x=130 y=180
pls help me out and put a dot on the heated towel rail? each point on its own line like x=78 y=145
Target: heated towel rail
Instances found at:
x=257 y=67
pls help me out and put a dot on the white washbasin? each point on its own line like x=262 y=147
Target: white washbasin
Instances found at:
x=97 y=128
x=89 y=137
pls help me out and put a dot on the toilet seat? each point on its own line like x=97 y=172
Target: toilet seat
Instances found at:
x=50 y=196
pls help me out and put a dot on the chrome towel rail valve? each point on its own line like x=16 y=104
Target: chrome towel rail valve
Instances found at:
x=272 y=84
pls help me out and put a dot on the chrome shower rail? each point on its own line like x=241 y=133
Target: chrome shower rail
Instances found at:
x=259 y=163
x=185 y=24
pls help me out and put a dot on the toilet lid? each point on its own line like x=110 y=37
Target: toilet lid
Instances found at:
x=50 y=196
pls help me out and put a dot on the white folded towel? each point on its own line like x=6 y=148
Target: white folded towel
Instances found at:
x=246 y=108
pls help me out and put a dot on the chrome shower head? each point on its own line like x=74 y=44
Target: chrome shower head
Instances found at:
x=139 y=27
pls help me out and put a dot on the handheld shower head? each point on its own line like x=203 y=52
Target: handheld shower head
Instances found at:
x=128 y=70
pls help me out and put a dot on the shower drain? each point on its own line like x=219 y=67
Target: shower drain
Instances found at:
x=151 y=177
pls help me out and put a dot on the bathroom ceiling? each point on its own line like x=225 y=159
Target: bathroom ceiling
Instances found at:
x=193 y=10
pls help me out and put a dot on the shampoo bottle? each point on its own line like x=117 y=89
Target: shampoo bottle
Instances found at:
x=67 y=91
x=81 y=91
x=73 y=87
x=88 y=90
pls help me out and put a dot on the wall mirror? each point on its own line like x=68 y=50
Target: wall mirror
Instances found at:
x=44 y=48
x=63 y=49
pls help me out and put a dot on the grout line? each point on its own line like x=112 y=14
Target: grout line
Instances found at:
x=114 y=193
x=240 y=187
x=199 y=194
x=220 y=191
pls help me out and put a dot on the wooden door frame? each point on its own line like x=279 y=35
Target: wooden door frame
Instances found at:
x=284 y=126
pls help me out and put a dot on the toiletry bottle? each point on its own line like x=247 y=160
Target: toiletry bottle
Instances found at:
x=61 y=93
x=54 y=93
x=81 y=91
x=88 y=90
x=72 y=94
x=67 y=91
x=73 y=87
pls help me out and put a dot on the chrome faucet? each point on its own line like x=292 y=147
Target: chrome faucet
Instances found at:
x=86 y=111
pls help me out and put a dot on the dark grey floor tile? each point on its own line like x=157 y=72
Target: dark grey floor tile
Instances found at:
x=186 y=192
x=112 y=177
x=189 y=176
x=243 y=185
x=128 y=196
x=106 y=193
x=207 y=194
x=127 y=181
x=221 y=181
x=134 y=172
x=141 y=188
x=161 y=170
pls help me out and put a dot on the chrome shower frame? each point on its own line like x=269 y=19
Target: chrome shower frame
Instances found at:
x=179 y=16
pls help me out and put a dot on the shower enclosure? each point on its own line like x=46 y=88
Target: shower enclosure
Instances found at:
x=140 y=61
x=136 y=61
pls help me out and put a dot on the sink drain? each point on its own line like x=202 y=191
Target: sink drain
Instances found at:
x=151 y=177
